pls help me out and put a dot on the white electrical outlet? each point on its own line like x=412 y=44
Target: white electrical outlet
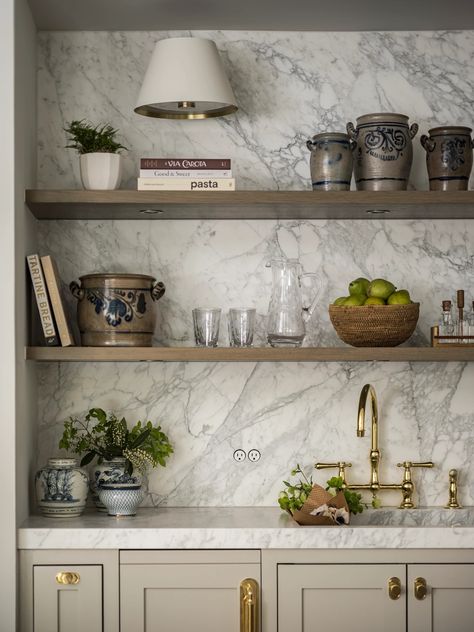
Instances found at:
x=254 y=455
x=239 y=455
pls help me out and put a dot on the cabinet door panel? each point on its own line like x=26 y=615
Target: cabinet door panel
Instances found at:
x=67 y=607
x=449 y=603
x=177 y=597
x=317 y=597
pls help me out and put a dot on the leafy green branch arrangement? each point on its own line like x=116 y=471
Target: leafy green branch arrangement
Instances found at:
x=296 y=494
x=86 y=138
x=105 y=436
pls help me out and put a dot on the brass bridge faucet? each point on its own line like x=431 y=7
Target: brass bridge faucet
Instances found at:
x=407 y=486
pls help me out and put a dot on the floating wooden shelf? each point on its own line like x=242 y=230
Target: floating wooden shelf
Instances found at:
x=128 y=204
x=255 y=354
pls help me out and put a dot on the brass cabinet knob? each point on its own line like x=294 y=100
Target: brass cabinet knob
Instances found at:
x=394 y=588
x=68 y=578
x=420 y=588
x=249 y=606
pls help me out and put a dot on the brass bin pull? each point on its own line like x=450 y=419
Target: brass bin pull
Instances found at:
x=420 y=588
x=68 y=578
x=394 y=588
x=249 y=606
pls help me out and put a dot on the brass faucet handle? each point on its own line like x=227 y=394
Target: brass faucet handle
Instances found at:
x=407 y=486
x=409 y=464
x=340 y=465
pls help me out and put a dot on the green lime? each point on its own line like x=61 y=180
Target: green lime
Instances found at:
x=374 y=300
x=401 y=297
x=359 y=286
x=355 y=299
x=340 y=300
x=380 y=288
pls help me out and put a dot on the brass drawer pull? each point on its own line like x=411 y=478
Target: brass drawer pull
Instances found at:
x=249 y=606
x=394 y=588
x=420 y=588
x=68 y=578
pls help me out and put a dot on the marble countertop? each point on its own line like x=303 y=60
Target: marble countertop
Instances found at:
x=250 y=527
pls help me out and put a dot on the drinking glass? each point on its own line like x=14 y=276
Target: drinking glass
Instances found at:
x=241 y=327
x=206 y=326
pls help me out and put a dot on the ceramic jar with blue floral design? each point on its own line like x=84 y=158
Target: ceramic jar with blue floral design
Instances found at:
x=116 y=310
x=110 y=472
x=448 y=157
x=383 y=151
x=331 y=161
x=121 y=499
x=61 y=488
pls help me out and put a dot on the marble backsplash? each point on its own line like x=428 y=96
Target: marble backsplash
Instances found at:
x=289 y=86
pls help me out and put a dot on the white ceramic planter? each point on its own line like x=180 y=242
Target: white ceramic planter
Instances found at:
x=101 y=171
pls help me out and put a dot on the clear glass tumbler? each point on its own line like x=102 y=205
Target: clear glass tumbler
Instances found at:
x=241 y=327
x=206 y=326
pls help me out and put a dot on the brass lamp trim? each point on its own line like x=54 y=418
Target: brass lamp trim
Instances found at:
x=157 y=112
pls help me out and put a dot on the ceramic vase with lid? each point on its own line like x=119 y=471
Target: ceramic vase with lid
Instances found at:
x=383 y=151
x=121 y=499
x=61 y=488
x=331 y=161
x=110 y=472
x=448 y=157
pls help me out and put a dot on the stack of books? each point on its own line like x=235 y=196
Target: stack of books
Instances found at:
x=47 y=289
x=185 y=174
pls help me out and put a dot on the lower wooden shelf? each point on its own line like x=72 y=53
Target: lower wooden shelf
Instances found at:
x=254 y=354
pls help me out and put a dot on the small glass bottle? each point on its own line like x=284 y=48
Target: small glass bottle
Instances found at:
x=446 y=325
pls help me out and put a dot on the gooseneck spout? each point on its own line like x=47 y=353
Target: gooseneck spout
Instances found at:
x=369 y=391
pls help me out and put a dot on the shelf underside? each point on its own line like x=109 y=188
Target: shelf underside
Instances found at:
x=255 y=354
x=245 y=205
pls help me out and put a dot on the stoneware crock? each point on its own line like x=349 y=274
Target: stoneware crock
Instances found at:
x=331 y=161
x=448 y=157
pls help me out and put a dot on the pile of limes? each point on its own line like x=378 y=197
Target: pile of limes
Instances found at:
x=376 y=292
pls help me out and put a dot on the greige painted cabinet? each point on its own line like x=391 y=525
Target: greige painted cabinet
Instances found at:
x=449 y=602
x=69 y=591
x=355 y=597
x=173 y=591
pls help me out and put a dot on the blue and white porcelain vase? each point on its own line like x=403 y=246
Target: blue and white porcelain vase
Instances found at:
x=121 y=499
x=112 y=471
x=61 y=488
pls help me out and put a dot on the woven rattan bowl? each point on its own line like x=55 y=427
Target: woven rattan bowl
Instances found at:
x=374 y=325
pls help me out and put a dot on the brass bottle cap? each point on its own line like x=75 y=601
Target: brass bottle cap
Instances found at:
x=446 y=306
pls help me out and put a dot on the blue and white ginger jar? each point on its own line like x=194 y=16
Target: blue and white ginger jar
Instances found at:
x=112 y=471
x=61 y=488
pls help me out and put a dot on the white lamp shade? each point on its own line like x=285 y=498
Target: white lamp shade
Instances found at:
x=185 y=79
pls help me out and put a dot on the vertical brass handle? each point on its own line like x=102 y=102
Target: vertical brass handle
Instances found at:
x=249 y=606
x=68 y=577
x=420 y=588
x=394 y=588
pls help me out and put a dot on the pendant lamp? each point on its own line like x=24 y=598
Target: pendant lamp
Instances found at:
x=185 y=79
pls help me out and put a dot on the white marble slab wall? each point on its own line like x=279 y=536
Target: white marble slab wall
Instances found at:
x=289 y=86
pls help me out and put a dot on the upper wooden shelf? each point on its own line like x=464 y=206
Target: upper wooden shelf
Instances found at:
x=254 y=354
x=128 y=204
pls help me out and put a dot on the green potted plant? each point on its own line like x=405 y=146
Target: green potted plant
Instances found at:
x=100 y=161
x=123 y=455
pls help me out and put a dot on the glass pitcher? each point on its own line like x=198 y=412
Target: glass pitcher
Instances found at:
x=286 y=314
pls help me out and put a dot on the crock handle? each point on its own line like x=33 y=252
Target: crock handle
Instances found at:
x=157 y=290
x=76 y=290
x=352 y=132
x=310 y=145
x=472 y=143
x=427 y=143
x=413 y=130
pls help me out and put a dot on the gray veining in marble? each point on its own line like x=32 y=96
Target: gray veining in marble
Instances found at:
x=289 y=86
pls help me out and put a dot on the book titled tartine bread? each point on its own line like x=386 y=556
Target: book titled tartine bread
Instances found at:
x=53 y=283
x=42 y=301
x=186 y=184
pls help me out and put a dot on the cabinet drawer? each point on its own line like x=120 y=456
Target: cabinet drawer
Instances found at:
x=67 y=598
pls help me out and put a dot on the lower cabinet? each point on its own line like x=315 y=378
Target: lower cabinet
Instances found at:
x=69 y=591
x=203 y=591
x=309 y=596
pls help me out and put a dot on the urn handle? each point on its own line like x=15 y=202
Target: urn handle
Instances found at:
x=310 y=145
x=428 y=143
x=472 y=143
x=157 y=290
x=76 y=290
x=413 y=130
x=352 y=131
